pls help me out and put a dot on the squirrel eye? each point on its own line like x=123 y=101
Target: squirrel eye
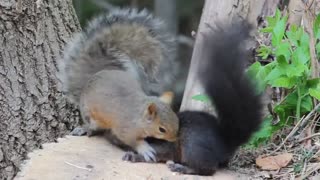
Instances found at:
x=162 y=130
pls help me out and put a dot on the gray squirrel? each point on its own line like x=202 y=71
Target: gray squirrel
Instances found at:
x=114 y=70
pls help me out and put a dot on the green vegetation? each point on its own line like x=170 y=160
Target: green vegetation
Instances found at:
x=290 y=70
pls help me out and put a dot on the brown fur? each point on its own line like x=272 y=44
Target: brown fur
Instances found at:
x=103 y=120
x=167 y=97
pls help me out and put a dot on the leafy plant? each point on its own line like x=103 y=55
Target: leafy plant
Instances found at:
x=290 y=70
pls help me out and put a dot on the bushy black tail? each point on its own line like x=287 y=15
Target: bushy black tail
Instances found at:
x=224 y=79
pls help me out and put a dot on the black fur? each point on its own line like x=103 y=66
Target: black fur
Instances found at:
x=208 y=142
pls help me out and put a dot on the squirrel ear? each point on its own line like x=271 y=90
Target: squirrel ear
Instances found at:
x=167 y=97
x=151 y=111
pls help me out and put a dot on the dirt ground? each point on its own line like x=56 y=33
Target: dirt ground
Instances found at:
x=82 y=158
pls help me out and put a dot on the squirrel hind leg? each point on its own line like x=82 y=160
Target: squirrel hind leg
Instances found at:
x=92 y=128
x=179 y=168
x=183 y=169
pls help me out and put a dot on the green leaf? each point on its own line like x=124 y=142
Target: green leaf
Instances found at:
x=254 y=69
x=281 y=112
x=278 y=31
x=304 y=40
x=295 y=71
x=274 y=74
x=300 y=55
x=290 y=102
x=315 y=93
x=264 y=51
x=313 y=83
x=201 y=98
x=304 y=91
x=293 y=34
x=289 y=70
x=266 y=29
x=306 y=104
x=283 y=64
x=261 y=77
x=284 y=82
x=273 y=20
x=283 y=50
x=291 y=99
x=252 y=72
x=264 y=133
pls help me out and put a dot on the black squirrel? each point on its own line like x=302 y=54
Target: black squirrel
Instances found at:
x=206 y=142
x=112 y=69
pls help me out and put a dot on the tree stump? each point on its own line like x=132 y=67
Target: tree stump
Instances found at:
x=81 y=158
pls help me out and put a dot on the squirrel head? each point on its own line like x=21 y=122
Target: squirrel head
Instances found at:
x=162 y=122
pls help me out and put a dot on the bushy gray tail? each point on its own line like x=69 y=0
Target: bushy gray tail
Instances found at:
x=94 y=49
x=224 y=79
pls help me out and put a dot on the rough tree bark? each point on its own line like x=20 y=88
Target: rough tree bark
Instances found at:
x=32 y=111
x=219 y=11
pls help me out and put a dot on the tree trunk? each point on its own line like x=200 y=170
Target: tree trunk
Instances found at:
x=296 y=10
x=32 y=111
x=218 y=11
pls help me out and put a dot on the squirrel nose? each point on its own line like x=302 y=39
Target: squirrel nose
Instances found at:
x=172 y=139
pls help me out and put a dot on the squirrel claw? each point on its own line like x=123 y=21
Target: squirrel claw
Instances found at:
x=133 y=157
x=147 y=152
x=129 y=156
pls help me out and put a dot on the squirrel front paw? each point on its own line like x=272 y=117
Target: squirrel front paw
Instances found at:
x=79 y=131
x=146 y=151
x=133 y=157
